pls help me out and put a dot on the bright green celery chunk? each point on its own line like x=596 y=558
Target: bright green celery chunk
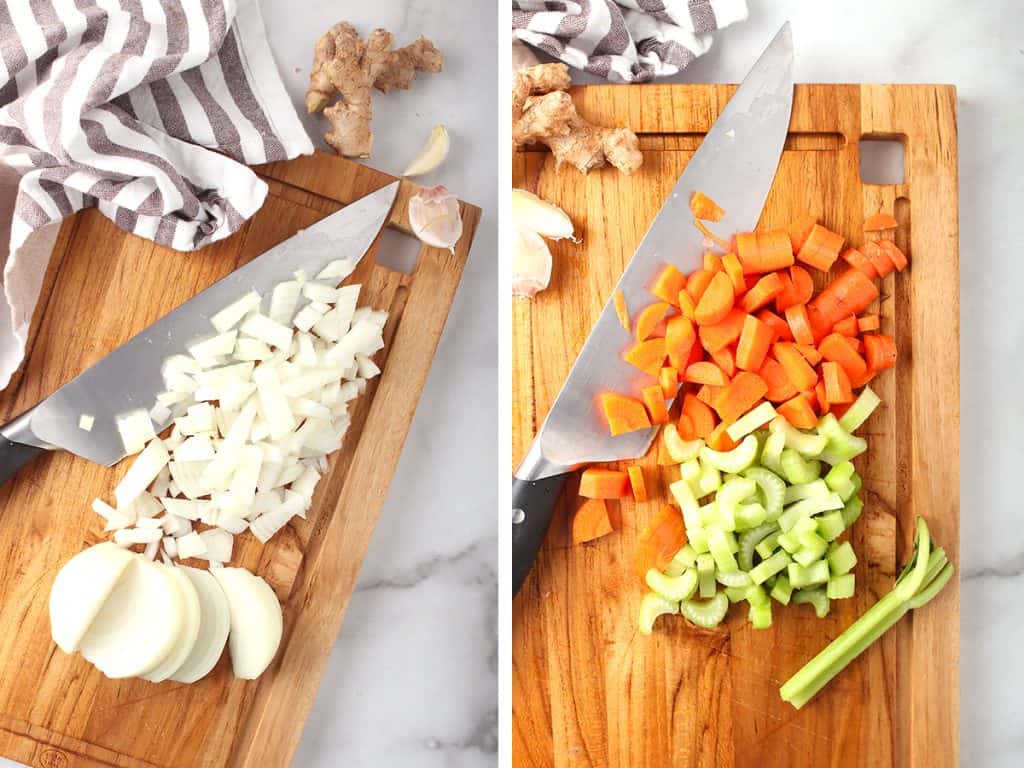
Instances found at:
x=751 y=540
x=686 y=557
x=674 y=568
x=733 y=578
x=690 y=471
x=861 y=409
x=831 y=525
x=807 y=576
x=720 y=550
x=815 y=597
x=706 y=575
x=841 y=558
x=651 y=607
x=805 y=443
x=760 y=615
x=812 y=549
x=735 y=594
x=851 y=511
x=797 y=469
x=756 y=595
x=710 y=480
x=706 y=613
x=805 y=524
x=806 y=508
x=772 y=487
x=840 y=587
x=687 y=501
x=812 y=490
x=747 y=423
x=771 y=452
x=842 y=446
x=840 y=480
x=749 y=516
x=782 y=590
x=735 y=491
x=709 y=514
x=673 y=588
x=698 y=539
x=789 y=542
x=768 y=568
x=736 y=460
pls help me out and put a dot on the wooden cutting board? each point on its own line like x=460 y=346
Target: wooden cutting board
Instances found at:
x=588 y=689
x=102 y=287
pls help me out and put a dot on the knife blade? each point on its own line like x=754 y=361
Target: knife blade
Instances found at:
x=734 y=165
x=129 y=377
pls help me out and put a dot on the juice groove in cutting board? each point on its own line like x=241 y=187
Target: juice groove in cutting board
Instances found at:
x=588 y=689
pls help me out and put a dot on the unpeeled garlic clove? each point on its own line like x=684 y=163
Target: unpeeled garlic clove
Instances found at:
x=432 y=155
x=435 y=218
x=531 y=263
x=544 y=218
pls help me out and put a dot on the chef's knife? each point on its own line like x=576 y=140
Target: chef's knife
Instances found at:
x=734 y=165
x=129 y=378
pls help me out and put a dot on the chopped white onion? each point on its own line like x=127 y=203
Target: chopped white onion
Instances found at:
x=251 y=349
x=366 y=367
x=149 y=522
x=151 y=549
x=273 y=403
x=208 y=351
x=170 y=546
x=128 y=536
x=233 y=313
x=218 y=545
x=136 y=430
x=142 y=473
x=337 y=270
x=307 y=317
x=195 y=448
x=85 y=421
x=191 y=545
x=283 y=300
x=265 y=329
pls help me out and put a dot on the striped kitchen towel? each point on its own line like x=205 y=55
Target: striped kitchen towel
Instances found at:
x=625 y=40
x=148 y=110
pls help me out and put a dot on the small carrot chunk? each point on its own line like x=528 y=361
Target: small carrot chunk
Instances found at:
x=705 y=208
x=602 y=483
x=637 y=483
x=764 y=290
x=796 y=318
x=624 y=414
x=649 y=317
x=821 y=248
x=764 y=251
x=706 y=373
x=724 y=333
x=719 y=439
x=874 y=253
x=680 y=338
x=697 y=283
x=742 y=394
x=725 y=359
x=660 y=540
x=591 y=521
x=797 y=369
x=880 y=351
x=810 y=353
x=707 y=393
x=895 y=255
x=779 y=326
x=835 y=348
x=755 y=340
x=780 y=388
x=712 y=263
x=668 y=377
x=848 y=294
x=733 y=268
x=684 y=426
x=837 y=384
x=858 y=260
x=687 y=305
x=799 y=229
x=847 y=326
x=716 y=301
x=798 y=288
x=867 y=323
x=798 y=412
x=654 y=399
x=668 y=284
x=619 y=300
x=648 y=356
x=820 y=326
x=879 y=222
x=701 y=417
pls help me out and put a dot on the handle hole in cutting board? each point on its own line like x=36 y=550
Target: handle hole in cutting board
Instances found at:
x=882 y=160
x=398 y=251
x=802 y=141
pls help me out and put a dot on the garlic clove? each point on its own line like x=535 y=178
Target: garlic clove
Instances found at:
x=432 y=155
x=542 y=217
x=435 y=218
x=531 y=263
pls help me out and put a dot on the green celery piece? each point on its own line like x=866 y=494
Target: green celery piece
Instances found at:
x=698 y=539
x=756 y=595
x=735 y=594
x=750 y=540
x=932 y=589
x=771 y=453
x=749 y=422
x=674 y=568
x=673 y=589
x=760 y=615
x=805 y=443
x=706 y=613
x=651 y=607
x=748 y=516
x=840 y=587
x=861 y=409
x=857 y=483
x=815 y=597
x=811 y=551
x=782 y=590
x=735 y=491
x=840 y=476
x=842 y=446
x=772 y=486
x=690 y=471
x=720 y=550
x=812 y=490
x=706 y=575
x=733 y=578
x=767 y=568
x=709 y=514
x=851 y=511
x=805 y=525
x=736 y=460
x=710 y=479
x=841 y=558
x=907 y=588
x=687 y=557
x=831 y=525
x=789 y=542
x=797 y=469
x=687 y=501
x=792 y=514
x=801 y=576
x=767 y=545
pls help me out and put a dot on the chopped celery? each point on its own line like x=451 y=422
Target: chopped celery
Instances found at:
x=733 y=492
x=736 y=460
x=815 y=597
x=687 y=501
x=805 y=524
x=932 y=588
x=782 y=590
x=806 y=508
x=674 y=568
x=706 y=575
x=756 y=595
x=806 y=576
x=733 y=578
x=840 y=479
x=750 y=540
x=861 y=409
x=768 y=544
x=687 y=556
x=797 y=469
x=746 y=424
x=698 y=539
x=733 y=542
x=735 y=594
x=805 y=443
x=771 y=453
x=710 y=480
x=651 y=607
x=760 y=615
x=841 y=558
x=706 y=613
x=840 y=587
x=842 y=446
x=679 y=450
x=772 y=486
x=811 y=551
x=811 y=490
x=673 y=589
x=789 y=542
x=831 y=525
x=749 y=516
x=767 y=568
x=720 y=551
x=851 y=511
x=690 y=471
x=709 y=514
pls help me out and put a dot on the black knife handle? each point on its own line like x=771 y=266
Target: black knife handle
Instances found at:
x=14 y=456
x=533 y=502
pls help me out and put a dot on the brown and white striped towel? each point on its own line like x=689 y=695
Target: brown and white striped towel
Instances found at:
x=624 y=40
x=149 y=110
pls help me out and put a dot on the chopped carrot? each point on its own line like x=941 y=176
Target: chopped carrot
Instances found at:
x=706 y=373
x=764 y=290
x=648 y=356
x=879 y=222
x=742 y=394
x=602 y=483
x=668 y=377
x=668 y=284
x=820 y=325
x=701 y=417
x=687 y=305
x=591 y=521
x=637 y=483
x=619 y=300
x=840 y=409
x=725 y=245
x=684 y=426
x=874 y=253
x=707 y=393
x=798 y=287
x=755 y=341
x=724 y=333
x=660 y=540
x=696 y=355
x=798 y=412
x=780 y=388
x=880 y=351
x=868 y=323
x=764 y=251
x=835 y=349
x=712 y=263
x=697 y=283
x=705 y=208
x=649 y=317
x=810 y=353
x=837 y=384
x=848 y=294
x=719 y=439
x=654 y=399
x=680 y=337
x=725 y=359
x=820 y=398
x=847 y=326
x=821 y=248
x=624 y=414
x=779 y=326
x=716 y=301
x=796 y=318
x=858 y=260
x=860 y=381
x=799 y=230
x=798 y=371
x=733 y=268
x=895 y=255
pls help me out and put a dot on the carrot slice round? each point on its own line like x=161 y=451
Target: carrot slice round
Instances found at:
x=706 y=373
x=649 y=317
x=716 y=300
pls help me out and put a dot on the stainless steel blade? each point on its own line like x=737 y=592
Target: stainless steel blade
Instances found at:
x=130 y=377
x=735 y=165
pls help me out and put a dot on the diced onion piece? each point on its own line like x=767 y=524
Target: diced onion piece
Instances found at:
x=143 y=471
x=188 y=477
x=306 y=318
x=233 y=313
x=136 y=430
x=170 y=399
x=209 y=350
x=137 y=536
x=85 y=421
x=337 y=270
x=273 y=403
x=305 y=483
x=243 y=482
x=283 y=300
x=367 y=368
x=232 y=524
x=148 y=523
x=195 y=448
x=270 y=331
x=251 y=349
x=218 y=545
x=170 y=545
x=191 y=545
x=320 y=292
x=151 y=550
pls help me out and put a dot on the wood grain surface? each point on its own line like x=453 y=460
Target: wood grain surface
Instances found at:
x=102 y=287
x=588 y=689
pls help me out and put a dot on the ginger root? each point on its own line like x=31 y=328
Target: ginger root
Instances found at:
x=345 y=65
x=543 y=113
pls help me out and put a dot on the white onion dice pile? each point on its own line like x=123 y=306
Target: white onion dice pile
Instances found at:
x=257 y=407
